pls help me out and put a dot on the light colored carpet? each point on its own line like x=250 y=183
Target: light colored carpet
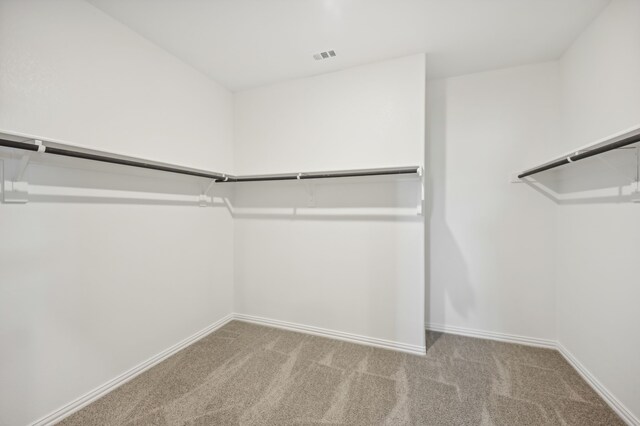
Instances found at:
x=254 y=375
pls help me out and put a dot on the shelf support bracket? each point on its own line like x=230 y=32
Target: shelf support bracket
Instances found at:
x=16 y=191
x=310 y=189
x=421 y=205
x=203 y=197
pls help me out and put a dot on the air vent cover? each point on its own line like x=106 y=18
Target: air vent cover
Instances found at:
x=324 y=55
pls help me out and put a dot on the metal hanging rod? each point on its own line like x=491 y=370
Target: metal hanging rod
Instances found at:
x=628 y=138
x=217 y=177
x=332 y=174
x=106 y=159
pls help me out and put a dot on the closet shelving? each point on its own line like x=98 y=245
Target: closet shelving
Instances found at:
x=37 y=145
x=618 y=140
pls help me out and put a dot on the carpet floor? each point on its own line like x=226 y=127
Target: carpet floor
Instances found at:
x=254 y=375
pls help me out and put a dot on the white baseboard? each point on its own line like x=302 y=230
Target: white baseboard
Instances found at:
x=625 y=414
x=98 y=392
x=334 y=334
x=112 y=384
x=604 y=393
x=107 y=387
x=492 y=335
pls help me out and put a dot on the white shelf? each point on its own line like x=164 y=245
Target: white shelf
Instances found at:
x=617 y=140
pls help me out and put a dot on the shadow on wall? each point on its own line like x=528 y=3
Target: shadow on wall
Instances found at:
x=446 y=273
x=392 y=198
x=611 y=177
x=64 y=180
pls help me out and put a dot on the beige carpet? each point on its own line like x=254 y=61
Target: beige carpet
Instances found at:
x=254 y=375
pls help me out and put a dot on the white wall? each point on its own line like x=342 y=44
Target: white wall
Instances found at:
x=362 y=117
x=91 y=286
x=491 y=242
x=86 y=294
x=71 y=72
x=598 y=240
x=354 y=262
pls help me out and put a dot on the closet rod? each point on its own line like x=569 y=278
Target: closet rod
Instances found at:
x=106 y=159
x=629 y=140
x=218 y=177
x=332 y=174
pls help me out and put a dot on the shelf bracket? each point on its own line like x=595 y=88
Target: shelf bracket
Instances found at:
x=421 y=206
x=16 y=190
x=310 y=190
x=203 y=198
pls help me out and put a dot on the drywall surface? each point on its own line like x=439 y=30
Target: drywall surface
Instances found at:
x=105 y=267
x=343 y=255
x=491 y=260
x=119 y=92
x=363 y=117
x=598 y=237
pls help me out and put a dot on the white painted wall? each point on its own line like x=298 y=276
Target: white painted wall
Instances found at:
x=354 y=262
x=92 y=286
x=491 y=261
x=362 y=117
x=127 y=95
x=598 y=240
x=82 y=279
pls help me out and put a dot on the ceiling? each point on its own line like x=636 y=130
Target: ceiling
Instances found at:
x=249 y=43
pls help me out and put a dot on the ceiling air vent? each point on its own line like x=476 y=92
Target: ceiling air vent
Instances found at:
x=324 y=55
